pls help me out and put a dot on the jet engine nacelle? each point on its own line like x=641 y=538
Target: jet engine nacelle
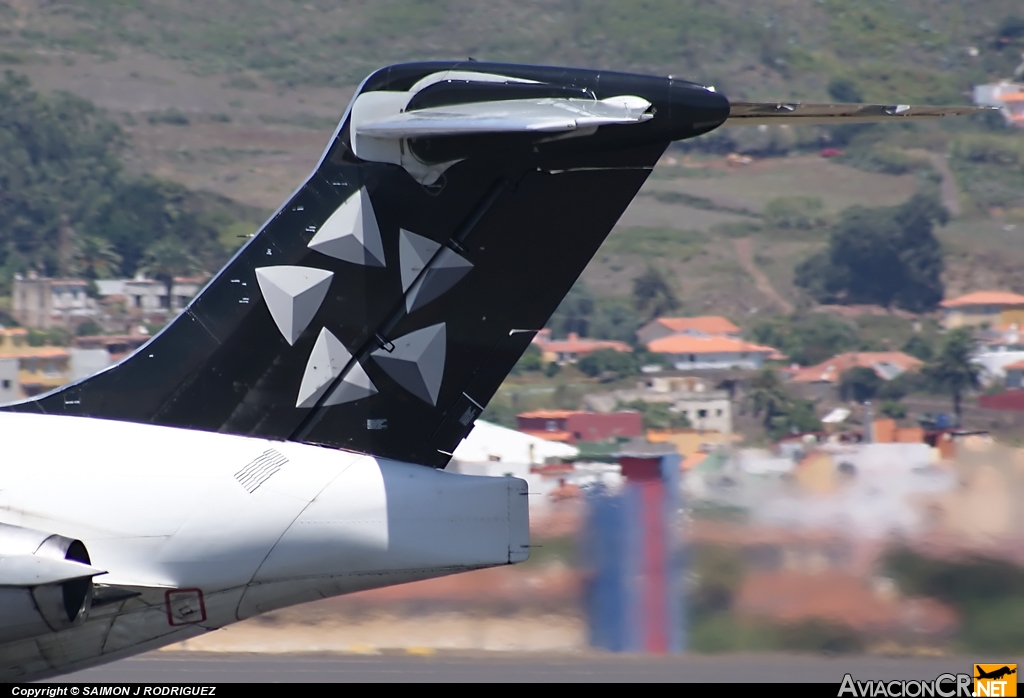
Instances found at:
x=45 y=583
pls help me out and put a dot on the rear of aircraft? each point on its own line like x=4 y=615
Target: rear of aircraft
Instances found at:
x=377 y=312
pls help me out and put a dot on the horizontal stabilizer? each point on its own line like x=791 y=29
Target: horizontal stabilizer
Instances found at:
x=509 y=116
x=33 y=570
x=775 y=113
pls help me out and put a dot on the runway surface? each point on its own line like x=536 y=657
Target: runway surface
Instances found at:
x=210 y=668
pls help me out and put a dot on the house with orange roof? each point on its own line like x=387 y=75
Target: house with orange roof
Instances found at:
x=983 y=308
x=690 y=352
x=1014 y=375
x=573 y=348
x=39 y=368
x=886 y=364
x=1008 y=96
x=705 y=326
x=573 y=426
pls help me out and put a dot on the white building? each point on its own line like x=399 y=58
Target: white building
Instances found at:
x=43 y=303
x=1008 y=96
x=688 y=352
x=705 y=408
x=150 y=295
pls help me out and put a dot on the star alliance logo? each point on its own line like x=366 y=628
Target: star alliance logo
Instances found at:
x=294 y=294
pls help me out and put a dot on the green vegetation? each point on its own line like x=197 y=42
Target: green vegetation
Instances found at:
x=952 y=370
x=656 y=415
x=653 y=296
x=172 y=116
x=806 y=339
x=589 y=316
x=70 y=207
x=990 y=168
x=843 y=48
x=988 y=593
x=718 y=574
x=608 y=362
x=887 y=256
x=859 y=384
x=781 y=412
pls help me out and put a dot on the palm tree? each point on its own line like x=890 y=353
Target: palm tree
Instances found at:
x=768 y=396
x=166 y=259
x=953 y=368
x=95 y=258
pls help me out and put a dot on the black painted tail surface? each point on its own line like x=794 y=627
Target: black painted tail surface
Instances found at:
x=382 y=306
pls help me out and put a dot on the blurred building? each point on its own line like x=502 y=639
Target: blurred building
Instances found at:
x=705 y=326
x=983 y=308
x=115 y=346
x=690 y=352
x=42 y=303
x=39 y=368
x=571 y=426
x=705 y=408
x=573 y=348
x=1008 y=96
x=150 y=295
x=824 y=379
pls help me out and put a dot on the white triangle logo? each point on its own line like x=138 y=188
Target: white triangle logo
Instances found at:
x=417 y=361
x=326 y=362
x=351 y=233
x=293 y=295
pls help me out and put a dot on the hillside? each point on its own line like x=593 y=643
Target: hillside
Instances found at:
x=239 y=98
x=747 y=50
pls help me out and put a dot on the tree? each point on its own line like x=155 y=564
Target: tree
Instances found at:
x=657 y=415
x=574 y=312
x=953 y=368
x=602 y=361
x=529 y=361
x=859 y=384
x=919 y=347
x=886 y=256
x=767 y=396
x=844 y=90
x=652 y=294
x=798 y=418
x=807 y=340
x=167 y=259
x=95 y=258
x=895 y=410
x=782 y=413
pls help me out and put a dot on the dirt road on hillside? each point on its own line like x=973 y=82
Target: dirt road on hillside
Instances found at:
x=745 y=256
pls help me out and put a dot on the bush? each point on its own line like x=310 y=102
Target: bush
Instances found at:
x=657 y=415
x=894 y=410
x=795 y=213
x=529 y=361
x=807 y=340
x=171 y=116
x=883 y=159
x=602 y=361
x=57 y=337
x=552 y=369
x=919 y=347
x=859 y=384
x=88 y=329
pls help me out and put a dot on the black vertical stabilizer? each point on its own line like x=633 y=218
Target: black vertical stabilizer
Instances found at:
x=382 y=306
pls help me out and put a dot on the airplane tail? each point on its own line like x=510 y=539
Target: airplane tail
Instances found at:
x=380 y=308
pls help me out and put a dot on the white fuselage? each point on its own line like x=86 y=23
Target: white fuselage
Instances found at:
x=207 y=529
